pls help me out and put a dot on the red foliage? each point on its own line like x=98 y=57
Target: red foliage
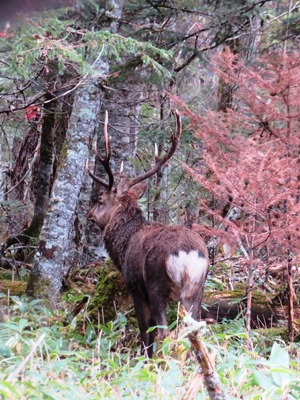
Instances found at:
x=251 y=155
x=33 y=113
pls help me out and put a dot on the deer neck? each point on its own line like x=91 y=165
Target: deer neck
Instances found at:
x=124 y=223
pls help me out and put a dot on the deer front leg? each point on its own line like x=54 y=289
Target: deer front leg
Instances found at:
x=143 y=314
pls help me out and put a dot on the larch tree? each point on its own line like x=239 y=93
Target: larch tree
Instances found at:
x=250 y=160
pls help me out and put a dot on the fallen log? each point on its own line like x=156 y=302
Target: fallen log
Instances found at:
x=267 y=310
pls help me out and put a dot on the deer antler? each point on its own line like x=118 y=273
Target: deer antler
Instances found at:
x=104 y=160
x=161 y=161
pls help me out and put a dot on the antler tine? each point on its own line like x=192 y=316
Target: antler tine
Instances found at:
x=96 y=178
x=161 y=161
x=106 y=138
x=104 y=160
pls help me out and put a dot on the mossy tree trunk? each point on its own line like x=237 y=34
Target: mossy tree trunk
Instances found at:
x=51 y=260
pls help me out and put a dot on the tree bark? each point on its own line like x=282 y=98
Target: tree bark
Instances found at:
x=291 y=295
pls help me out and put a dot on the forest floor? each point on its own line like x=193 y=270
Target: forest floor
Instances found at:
x=68 y=354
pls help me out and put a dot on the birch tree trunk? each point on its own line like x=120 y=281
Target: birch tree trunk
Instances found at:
x=51 y=260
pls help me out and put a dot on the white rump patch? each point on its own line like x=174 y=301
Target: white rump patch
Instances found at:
x=186 y=268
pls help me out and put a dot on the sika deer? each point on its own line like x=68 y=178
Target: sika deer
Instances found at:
x=159 y=263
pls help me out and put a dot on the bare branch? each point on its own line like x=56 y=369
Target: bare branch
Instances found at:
x=35 y=156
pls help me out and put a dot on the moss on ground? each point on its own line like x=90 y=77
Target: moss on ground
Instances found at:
x=15 y=288
x=111 y=294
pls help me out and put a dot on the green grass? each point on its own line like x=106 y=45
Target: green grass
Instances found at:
x=50 y=355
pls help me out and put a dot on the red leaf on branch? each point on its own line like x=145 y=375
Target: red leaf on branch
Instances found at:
x=33 y=113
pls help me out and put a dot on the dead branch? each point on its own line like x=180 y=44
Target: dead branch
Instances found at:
x=207 y=371
x=35 y=156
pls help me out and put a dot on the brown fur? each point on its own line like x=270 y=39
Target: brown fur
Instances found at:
x=140 y=251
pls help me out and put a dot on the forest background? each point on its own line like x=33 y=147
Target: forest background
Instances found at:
x=232 y=70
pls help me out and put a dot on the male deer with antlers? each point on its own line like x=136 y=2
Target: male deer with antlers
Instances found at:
x=159 y=263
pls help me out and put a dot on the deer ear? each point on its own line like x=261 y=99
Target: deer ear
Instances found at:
x=139 y=189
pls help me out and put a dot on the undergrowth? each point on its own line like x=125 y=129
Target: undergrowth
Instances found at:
x=50 y=355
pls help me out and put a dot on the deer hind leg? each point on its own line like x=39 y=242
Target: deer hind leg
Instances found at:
x=158 y=311
x=143 y=314
x=192 y=303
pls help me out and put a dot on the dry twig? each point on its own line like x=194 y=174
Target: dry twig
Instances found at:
x=207 y=372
